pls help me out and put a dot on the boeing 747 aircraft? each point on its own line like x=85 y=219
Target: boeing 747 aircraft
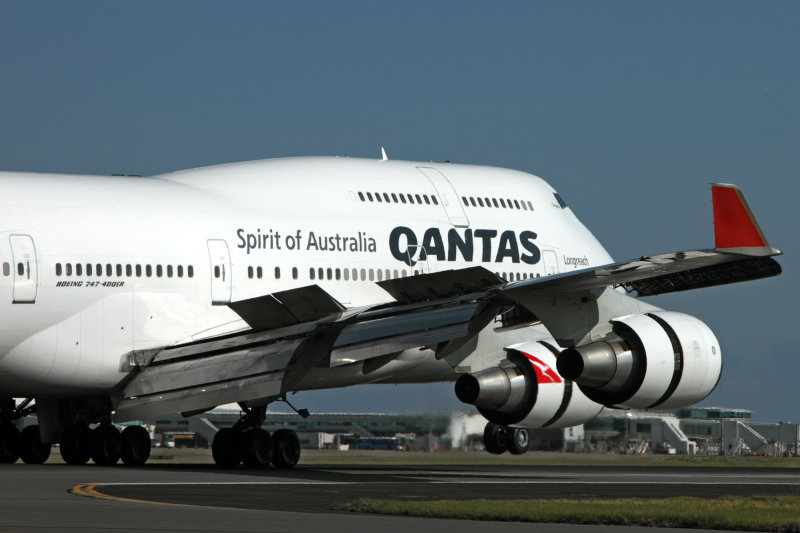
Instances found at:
x=126 y=297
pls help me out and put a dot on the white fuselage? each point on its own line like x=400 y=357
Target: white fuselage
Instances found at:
x=92 y=268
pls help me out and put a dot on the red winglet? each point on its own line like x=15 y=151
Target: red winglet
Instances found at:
x=734 y=223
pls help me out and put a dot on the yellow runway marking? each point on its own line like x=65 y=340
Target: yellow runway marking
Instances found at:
x=90 y=490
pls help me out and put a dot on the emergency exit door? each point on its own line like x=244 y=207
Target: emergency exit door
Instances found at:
x=26 y=277
x=220 y=271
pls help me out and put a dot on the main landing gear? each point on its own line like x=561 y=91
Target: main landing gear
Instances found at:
x=246 y=442
x=15 y=444
x=498 y=439
x=105 y=445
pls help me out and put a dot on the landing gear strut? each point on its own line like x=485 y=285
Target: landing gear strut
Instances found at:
x=14 y=444
x=246 y=442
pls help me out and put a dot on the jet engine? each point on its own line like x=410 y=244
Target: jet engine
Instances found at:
x=526 y=391
x=662 y=360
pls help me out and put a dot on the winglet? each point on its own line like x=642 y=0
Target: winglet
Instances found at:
x=735 y=227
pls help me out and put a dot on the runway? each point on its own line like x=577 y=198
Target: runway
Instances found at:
x=203 y=498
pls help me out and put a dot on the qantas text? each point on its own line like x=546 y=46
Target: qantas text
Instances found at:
x=407 y=247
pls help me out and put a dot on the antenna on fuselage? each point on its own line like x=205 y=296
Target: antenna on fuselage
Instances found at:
x=384 y=157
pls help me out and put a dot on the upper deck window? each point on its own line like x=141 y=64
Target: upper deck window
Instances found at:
x=560 y=200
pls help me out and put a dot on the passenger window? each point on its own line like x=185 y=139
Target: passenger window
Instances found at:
x=403 y=274
x=386 y=197
x=277 y=272
x=180 y=271
x=394 y=197
x=98 y=270
x=21 y=269
x=363 y=274
x=516 y=204
x=419 y=200
x=380 y=274
x=371 y=274
x=321 y=273
x=311 y=272
x=488 y=202
x=259 y=272
x=78 y=269
x=502 y=202
x=160 y=271
x=395 y=275
x=411 y=198
x=530 y=205
x=494 y=201
x=347 y=274
x=88 y=269
x=190 y=271
x=510 y=205
x=109 y=270
x=472 y=201
x=464 y=199
x=434 y=200
x=128 y=270
x=6 y=269
x=388 y=274
x=355 y=274
x=138 y=271
x=378 y=197
x=480 y=202
x=524 y=207
x=330 y=273
x=338 y=274
x=169 y=271
x=294 y=272
x=361 y=196
x=369 y=195
x=425 y=197
x=402 y=197
x=148 y=271
x=250 y=272
x=119 y=270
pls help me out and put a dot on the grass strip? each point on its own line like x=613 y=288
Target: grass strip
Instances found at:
x=751 y=513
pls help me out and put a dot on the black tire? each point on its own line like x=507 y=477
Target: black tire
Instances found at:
x=135 y=446
x=106 y=445
x=31 y=448
x=75 y=445
x=518 y=440
x=256 y=448
x=9 y=443
x=494 y=438
x=225 y=448
x=285 y=448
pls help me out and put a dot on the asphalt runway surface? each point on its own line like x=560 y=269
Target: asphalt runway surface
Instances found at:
x=163 y=497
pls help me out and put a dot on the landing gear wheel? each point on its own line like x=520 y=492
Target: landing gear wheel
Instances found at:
x=31 y=448
x=105 y=445
x=494 y=438
x=135 y=446
x=9 y=444
x=256 y=448
x=518 y=440
x=75 y=445
x=225 y=448
x=286 y=448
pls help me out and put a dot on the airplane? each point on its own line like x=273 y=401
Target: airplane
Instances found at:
x=124 y=297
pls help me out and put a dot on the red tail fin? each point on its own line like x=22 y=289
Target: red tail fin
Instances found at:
x=735 y=227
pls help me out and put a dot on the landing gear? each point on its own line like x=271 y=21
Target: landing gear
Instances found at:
x=286 y=452
x=31 y=449
x=494 y=438
x=498 y=439
x=75 y=444
x=246 y=442
x=105 y=444
x=135 y=446
x=9 y=443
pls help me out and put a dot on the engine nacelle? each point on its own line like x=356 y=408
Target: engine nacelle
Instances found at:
x=660 y=360
x=527 y=391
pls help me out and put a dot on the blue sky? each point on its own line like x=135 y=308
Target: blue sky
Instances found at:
x=630 y=109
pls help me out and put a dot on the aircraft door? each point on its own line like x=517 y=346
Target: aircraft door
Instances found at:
x=220 y=271
x=550 y=262
x=447 y=196
x=26 y=277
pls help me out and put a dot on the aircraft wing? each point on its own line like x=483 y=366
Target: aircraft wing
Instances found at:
x=300 y=329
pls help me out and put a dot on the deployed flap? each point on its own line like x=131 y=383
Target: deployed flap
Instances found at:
x=287 y=307
x=440 y=285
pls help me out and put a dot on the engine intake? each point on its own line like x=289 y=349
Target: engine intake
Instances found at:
x=660 y=360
